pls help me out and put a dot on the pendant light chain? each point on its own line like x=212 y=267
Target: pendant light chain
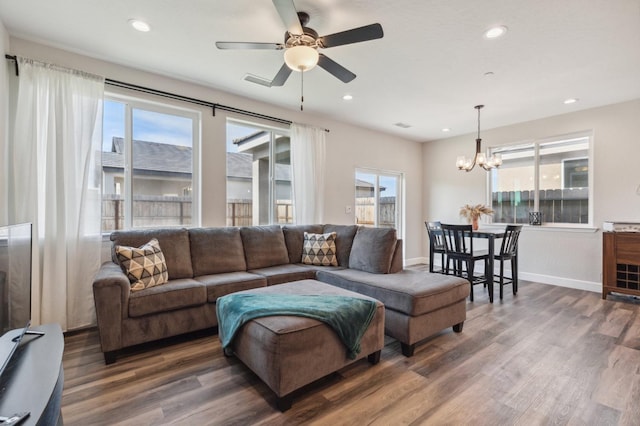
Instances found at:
x=302 y=90
x=478 y=108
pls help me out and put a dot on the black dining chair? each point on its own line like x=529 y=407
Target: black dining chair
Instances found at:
x=436 y=245
x=509 y=251
x=458 y=244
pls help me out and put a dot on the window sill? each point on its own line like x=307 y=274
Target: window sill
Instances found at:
x=549 y=228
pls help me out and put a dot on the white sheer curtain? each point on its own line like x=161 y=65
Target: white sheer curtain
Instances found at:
x=308 y=145
x=54 y=181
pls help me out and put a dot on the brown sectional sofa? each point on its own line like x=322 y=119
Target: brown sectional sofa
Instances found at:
x=204 y=264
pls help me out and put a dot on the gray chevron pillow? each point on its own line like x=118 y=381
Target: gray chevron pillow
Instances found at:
x=145 y=266
x=319 y=249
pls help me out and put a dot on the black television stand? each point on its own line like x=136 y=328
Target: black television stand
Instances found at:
x=33 y=380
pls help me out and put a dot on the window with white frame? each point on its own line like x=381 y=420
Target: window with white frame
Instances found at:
x=259 y=188
x=149 y=165
x=378 y=199
x=550 y=176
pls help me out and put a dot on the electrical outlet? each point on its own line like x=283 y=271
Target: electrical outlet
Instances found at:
x=347 y=209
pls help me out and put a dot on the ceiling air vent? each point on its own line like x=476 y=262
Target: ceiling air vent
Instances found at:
x=402 y=125
x=257 y=80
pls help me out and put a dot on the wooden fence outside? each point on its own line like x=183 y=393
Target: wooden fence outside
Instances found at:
x=366 y=210
x=158 y=211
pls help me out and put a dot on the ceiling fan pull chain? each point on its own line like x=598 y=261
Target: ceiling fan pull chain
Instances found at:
x=302 y=90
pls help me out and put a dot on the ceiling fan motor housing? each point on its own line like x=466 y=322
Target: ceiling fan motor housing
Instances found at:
x=307 y=38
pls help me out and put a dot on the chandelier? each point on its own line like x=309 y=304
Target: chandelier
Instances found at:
x=466 y=164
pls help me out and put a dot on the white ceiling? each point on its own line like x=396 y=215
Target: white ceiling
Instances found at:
x=428 y=70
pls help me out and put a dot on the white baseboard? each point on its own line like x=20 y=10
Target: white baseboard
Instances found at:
x=562 y=282
x=416 y=261
x=595 y=287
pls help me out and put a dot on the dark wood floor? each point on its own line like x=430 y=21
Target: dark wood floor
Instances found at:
x=549 y=355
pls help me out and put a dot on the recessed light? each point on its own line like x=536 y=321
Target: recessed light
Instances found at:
x=347 y=97
x=446 y=129
x=570 y=101
x=139 y=25
x=495 y=32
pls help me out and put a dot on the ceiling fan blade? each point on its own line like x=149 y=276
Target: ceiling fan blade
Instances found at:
x=355 y=35
x=243 y=45
x=289 y=15
x=282 y=76
x=335 y=69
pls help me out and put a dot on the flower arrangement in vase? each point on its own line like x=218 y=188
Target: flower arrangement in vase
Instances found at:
x=473 y=213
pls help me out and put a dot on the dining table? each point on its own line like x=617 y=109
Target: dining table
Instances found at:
x=491 y=235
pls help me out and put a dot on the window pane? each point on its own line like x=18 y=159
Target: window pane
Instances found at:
x=162 y=168
x=513 y=185
x=366 y=199
x=564 y=181
x=253 y=197
x=113 y=166
x=284 y=196
x=387 y=211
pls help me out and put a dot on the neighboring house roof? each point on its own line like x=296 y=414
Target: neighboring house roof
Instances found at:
x=151 y=156
x=163 y=158
x=250 y=137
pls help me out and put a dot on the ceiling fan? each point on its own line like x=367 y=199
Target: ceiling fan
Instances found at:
x=301 y=44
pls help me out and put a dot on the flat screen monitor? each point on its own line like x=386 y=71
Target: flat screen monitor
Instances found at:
x=15 y=276
x=9 y=342
x=15 y=288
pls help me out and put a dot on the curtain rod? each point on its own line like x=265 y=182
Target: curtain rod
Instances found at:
x=169 y=95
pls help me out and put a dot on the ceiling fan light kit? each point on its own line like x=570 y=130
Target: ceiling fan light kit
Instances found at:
x=301 y=58
x=487 y=163
x=301 y=44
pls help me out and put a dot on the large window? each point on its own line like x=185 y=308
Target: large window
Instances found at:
x=149 y=167
x=258 y=175
x=549 y=176
x=378 y=199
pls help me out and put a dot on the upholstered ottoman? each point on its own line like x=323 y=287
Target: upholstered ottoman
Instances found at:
x=289 y=352
x=417 y=304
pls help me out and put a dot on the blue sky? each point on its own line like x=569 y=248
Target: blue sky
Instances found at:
x=147 y=126
x=156 y=127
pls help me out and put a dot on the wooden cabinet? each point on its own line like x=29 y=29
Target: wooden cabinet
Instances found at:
x=620 y=263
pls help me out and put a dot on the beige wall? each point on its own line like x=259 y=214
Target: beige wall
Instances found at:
x=4 y=116
x=348 y=146
x=559 y=256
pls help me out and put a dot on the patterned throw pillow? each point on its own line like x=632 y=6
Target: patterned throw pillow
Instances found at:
x=319 y=249
x=144 y=266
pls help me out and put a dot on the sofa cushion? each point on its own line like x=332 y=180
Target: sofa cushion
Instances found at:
x=216 y=250
x=144 y=266
x=319 y=249
x=294 y=238
x=219 y=285
x=174 y=243
x=284 y=273
x=175 y=294
x=410 y=292
x=264 y=246
x=344 y=241
x=373 y=250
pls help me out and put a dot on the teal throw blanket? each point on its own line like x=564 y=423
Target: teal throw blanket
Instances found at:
x=348 y=316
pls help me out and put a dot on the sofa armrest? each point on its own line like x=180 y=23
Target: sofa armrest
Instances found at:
x=111 y=289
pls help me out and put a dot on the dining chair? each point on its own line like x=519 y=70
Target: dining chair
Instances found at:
x=509 y=251
x=458 y=244
x=436 y=245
